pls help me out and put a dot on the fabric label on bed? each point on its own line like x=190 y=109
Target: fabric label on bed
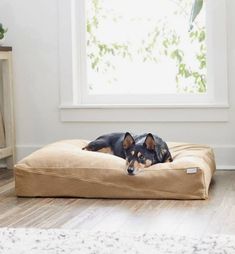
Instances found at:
x=191 y=170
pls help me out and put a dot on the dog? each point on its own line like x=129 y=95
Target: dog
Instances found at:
x=139 y=151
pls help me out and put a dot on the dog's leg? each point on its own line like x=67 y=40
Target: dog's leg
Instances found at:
x=98 y=145
x=163 y=153
x=168 y=157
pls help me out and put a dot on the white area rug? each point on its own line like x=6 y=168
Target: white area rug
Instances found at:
x=56 y=241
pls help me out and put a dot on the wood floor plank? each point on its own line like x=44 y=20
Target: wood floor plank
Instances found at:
x=215 y=215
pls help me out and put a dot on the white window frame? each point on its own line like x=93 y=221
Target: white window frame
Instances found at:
x=76 y=105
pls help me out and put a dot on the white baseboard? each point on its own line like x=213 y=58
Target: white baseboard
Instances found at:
x=224 y=154
x=225 y=167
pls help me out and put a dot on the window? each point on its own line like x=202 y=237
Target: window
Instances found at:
x=144 y=47
x=127 y=53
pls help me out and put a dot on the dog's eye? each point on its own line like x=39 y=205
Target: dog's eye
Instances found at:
x=141 y=157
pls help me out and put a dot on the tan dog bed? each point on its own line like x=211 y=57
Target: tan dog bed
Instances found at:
x=63 y=169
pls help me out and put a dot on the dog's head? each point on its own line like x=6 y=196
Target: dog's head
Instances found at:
x=139 y=156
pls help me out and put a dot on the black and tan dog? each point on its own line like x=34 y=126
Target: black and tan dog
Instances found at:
x=140 y=151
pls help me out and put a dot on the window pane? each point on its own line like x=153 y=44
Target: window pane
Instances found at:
x=144 y=47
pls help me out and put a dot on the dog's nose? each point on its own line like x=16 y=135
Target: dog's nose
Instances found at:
x=130 y=171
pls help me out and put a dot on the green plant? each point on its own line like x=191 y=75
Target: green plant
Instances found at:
x=196 y=8
x=2 y=31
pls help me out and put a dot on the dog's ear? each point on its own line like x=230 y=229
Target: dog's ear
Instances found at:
x=150 y=142
x=128 y=141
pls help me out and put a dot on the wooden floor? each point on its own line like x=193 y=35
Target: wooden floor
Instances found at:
x=215 y=215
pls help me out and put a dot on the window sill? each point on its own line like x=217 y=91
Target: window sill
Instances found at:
x=144 y=113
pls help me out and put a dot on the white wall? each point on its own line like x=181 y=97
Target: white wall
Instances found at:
x=33 y=33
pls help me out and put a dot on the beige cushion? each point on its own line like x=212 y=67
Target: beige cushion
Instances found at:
x=62 y=169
